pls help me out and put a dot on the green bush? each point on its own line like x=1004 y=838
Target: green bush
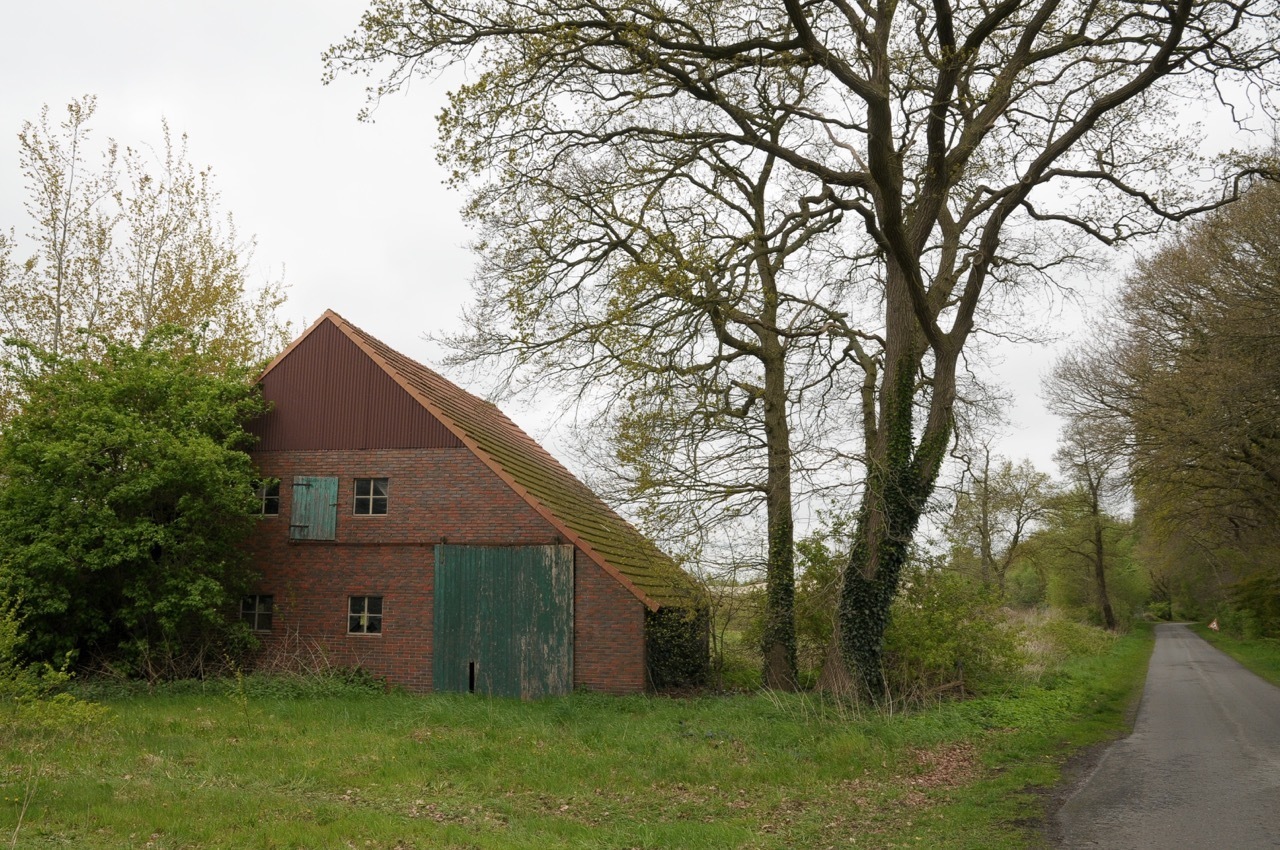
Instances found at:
x=1025 y=586
x=22 y=683
x=1254 y=609
x=947 y=634
x=1239 y=622
x=125 y=494
x=31 y=695
x=677 y=650
x=820 y=562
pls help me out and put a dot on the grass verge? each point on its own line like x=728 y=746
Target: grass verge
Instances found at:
x=254 y=766
x=1261 y=655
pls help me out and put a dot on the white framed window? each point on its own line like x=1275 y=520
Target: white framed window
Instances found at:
x=364 y=615
x=268 y=493
x=371 y=497
x=255 y=609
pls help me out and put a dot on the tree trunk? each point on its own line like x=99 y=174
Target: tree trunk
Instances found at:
x=902 y=468
x=778 y=641
x=835 y=678
x=984 y=522
x=899 y=482
x=1099 y=570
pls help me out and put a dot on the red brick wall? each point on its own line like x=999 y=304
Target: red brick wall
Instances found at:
x=435 y=495
x=608 y=632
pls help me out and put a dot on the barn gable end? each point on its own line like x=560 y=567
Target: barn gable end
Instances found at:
x=458 y=475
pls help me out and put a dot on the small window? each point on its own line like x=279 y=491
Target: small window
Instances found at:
x=268 y=492
x=255 y=610
x=371 y=496
x=364 y=615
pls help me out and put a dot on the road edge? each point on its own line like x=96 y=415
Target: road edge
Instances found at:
x=1080 y=763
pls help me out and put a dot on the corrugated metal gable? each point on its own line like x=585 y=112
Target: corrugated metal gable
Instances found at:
x=327 y=394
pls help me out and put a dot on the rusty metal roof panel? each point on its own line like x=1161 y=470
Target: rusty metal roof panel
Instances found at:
x=375 y=412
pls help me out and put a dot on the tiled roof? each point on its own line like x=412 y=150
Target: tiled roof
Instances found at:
x=535 y=475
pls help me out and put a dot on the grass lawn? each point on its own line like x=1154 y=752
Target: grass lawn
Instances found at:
x=1261 y=655
x=256 y=764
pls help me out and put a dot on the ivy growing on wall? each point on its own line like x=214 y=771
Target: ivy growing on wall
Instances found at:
x=677 y=646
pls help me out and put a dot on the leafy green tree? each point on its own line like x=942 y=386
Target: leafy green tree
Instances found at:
x=1063 y=553
x=1080 y=558
x=124 y=240
x=997 y=506
x=124 y=493
x=972 y=148
x=1182 y=385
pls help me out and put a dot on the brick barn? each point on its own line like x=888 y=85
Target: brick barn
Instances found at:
x=413 y=530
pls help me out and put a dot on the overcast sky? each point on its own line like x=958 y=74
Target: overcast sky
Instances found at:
x=356 y=214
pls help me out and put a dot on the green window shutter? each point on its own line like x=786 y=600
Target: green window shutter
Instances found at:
x=315 y=508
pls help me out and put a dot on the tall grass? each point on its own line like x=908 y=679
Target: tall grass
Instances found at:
x=263 y=764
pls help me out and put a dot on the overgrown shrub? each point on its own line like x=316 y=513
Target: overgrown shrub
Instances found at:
x=1238 y=622
x=820 y=560
x=947 y=635
x=124 y=495
x=1049 y=639
x=1254 y=609
x=31 y=695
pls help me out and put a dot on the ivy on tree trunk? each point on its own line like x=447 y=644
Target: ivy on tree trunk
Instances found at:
x=898 y=486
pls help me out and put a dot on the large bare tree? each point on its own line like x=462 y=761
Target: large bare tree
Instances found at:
x=971 y=146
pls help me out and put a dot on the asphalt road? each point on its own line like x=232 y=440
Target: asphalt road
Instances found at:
x=1202 y=767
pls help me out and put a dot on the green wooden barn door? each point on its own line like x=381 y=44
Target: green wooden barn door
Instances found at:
x=315 y=508
x=504 y=620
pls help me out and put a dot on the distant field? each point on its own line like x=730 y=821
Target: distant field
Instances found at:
x=257 y=764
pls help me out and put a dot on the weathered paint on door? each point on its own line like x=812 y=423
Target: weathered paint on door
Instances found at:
x=504 y=620
x=315 y=508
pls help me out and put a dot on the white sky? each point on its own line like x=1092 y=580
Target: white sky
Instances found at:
x=355 y=213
